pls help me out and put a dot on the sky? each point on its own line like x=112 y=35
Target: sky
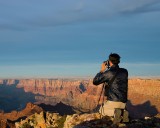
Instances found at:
x=71 y=38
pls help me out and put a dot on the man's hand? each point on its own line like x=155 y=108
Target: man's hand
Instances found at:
x=103 y=67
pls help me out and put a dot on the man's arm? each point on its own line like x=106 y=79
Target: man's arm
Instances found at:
x=101 y=76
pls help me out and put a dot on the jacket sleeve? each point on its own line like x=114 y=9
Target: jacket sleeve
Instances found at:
x=100 y=78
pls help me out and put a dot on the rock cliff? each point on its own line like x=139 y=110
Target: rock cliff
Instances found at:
x=9 y=119
x=80 y=94
x=144 y=98
x=83 y=95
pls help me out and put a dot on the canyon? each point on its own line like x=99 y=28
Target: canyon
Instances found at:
x=81 y=95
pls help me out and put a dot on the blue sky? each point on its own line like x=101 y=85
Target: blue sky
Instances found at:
x=59 y=38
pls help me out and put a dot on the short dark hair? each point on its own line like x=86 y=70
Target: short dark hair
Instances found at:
x=114 y=58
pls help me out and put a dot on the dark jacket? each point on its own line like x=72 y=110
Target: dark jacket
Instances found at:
x=118 y=90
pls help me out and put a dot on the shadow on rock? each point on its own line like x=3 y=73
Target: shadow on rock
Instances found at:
x=60 y=108
x=141 y=110
x=97 y=123
x=13 y=98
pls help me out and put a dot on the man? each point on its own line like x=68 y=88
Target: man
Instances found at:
x=117 y=81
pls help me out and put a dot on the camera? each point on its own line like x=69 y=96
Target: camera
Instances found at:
x=106 y=63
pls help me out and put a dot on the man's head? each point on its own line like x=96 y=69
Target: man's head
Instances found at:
x=114 y=58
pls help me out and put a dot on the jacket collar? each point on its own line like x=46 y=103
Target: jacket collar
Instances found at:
x=114 y=66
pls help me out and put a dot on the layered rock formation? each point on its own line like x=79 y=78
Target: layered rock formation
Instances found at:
x=144 y=98
x=80 y=94
x=83 y=95
x=9 y=119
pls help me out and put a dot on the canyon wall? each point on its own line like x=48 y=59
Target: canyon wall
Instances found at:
x=83 y=95
x=144 y=98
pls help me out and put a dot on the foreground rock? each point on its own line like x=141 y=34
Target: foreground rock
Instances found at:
x=54 y=120
x=9 y=119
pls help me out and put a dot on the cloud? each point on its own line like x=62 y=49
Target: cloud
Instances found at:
x=37 y=14
x=141 y=6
